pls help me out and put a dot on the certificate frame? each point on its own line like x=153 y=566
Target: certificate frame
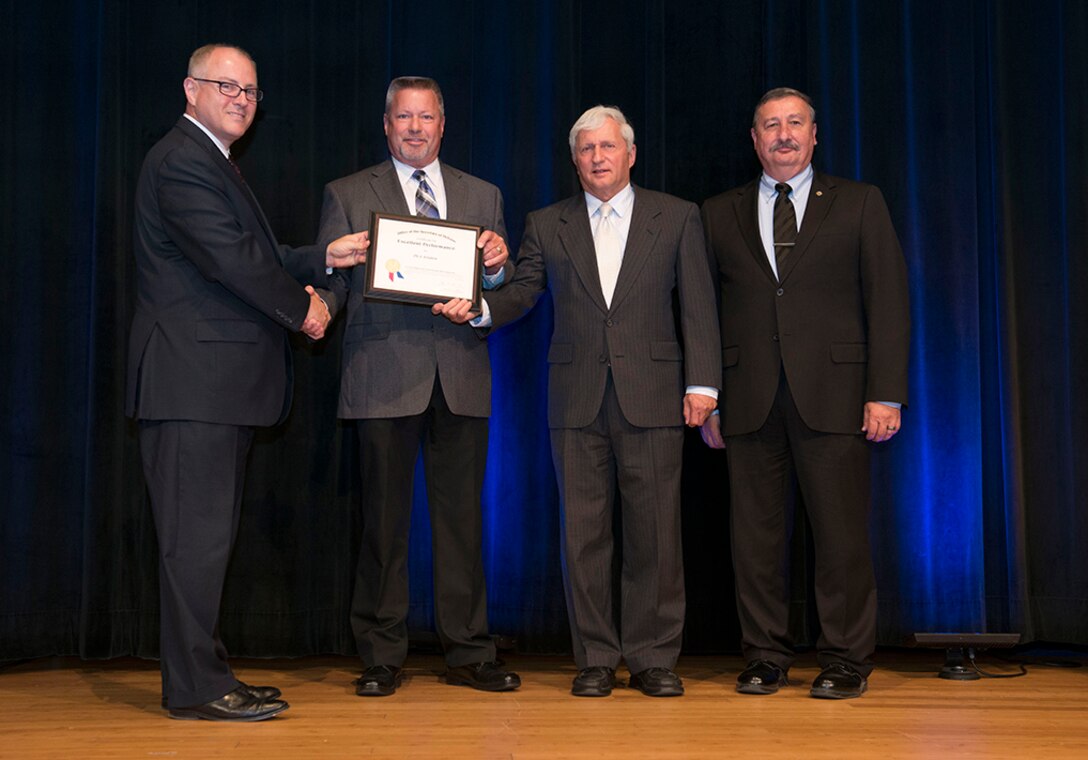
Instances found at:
x=424 y=261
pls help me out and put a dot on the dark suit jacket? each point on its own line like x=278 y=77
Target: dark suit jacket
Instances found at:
x=651 y=364
x=838 y=322
x=392 y=351
x=214 y=297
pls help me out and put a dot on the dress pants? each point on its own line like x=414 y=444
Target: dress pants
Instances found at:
x=454 y=455
x=833 y=475
x=645 y=463
x=195 y=473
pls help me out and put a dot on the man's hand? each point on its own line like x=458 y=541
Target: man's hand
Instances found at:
x=456 y=310
x=317 y=318
x=880 y=421
x=711 y=431
x=697 y=408
x=348 y=250
x=495 y=251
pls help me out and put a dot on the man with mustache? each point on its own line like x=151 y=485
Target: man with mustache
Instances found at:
x=815 y=327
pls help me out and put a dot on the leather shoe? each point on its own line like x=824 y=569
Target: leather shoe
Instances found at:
x=378 y=681
x=238 y=705
x=485 y=676
x=257 y=692
x=839 y=681
x=761 y=677
x=597 y=681
x=658 y=682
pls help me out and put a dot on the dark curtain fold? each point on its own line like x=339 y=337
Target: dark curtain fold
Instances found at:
x=965 y=114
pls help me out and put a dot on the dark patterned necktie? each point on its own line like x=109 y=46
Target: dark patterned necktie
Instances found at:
x=237 y=169
x=426 y=205
x=785 y=225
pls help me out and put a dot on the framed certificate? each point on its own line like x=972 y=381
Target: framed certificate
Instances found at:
x=414 y=259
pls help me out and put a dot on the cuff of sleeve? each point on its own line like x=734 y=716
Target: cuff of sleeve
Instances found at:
x=484 y=320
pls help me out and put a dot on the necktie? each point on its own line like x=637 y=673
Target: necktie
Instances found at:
x=609 y=253
x=237 y=169
x=785 y=225
x=426 y=205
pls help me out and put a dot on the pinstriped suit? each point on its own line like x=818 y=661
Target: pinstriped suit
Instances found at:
x=410 y=377
x=617 y=378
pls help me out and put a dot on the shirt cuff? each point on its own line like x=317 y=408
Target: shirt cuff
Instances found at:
x=703 y=390
x=492 y=281
x=484 y=320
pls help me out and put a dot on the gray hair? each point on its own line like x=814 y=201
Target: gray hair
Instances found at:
x=414 y=83
x=595 y=117
x=200 y=57
x=783 y=92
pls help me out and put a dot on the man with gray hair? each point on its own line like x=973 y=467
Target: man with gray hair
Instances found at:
x=622 y=384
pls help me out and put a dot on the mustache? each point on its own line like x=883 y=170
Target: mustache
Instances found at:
x=779 y=144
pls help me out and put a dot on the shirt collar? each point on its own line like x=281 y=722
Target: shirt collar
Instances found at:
x=405 y=172
x=222 y=148
x=621 y=202
x=766 y=184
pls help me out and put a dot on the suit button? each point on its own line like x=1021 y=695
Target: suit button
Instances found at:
x=608 y=322
x=601 y=359
x=775 y=337
x=780 y=291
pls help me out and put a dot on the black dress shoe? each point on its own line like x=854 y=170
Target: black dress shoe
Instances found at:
x=238 y=705
x=658 y=682
x=378 y=681
x=839 y=681
x=485 y=676
x=597 y=681
x=761 y=677
x=257 y=692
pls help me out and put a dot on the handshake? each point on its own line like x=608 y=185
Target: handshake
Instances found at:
x=343 y=252
x=318 y=316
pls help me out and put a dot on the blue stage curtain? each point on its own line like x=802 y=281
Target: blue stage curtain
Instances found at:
x=965 y=114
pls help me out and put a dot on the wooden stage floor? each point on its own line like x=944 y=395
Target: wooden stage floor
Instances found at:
x=67 y=708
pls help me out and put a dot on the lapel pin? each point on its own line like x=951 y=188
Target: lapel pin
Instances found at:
x=819 y=193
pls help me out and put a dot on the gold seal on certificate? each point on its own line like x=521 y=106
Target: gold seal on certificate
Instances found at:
x=414 y=259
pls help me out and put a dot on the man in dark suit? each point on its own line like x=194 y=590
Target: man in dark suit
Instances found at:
x=208 y=361
x=411 y=376
x=622 y=382
x=815 y=327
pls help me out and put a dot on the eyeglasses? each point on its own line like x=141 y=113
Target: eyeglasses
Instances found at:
x=231 y=90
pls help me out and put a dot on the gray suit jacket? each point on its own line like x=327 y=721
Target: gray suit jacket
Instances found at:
x=392 y=351
x=637 y=336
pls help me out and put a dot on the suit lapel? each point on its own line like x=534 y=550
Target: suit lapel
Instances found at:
x=577 y=240
x=748 y=221
x=456 y=203
x=641 y=236
x=820 y=197
x=223 y=164
x=385 y=182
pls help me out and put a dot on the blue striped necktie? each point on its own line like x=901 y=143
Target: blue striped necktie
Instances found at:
x=426 y=205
